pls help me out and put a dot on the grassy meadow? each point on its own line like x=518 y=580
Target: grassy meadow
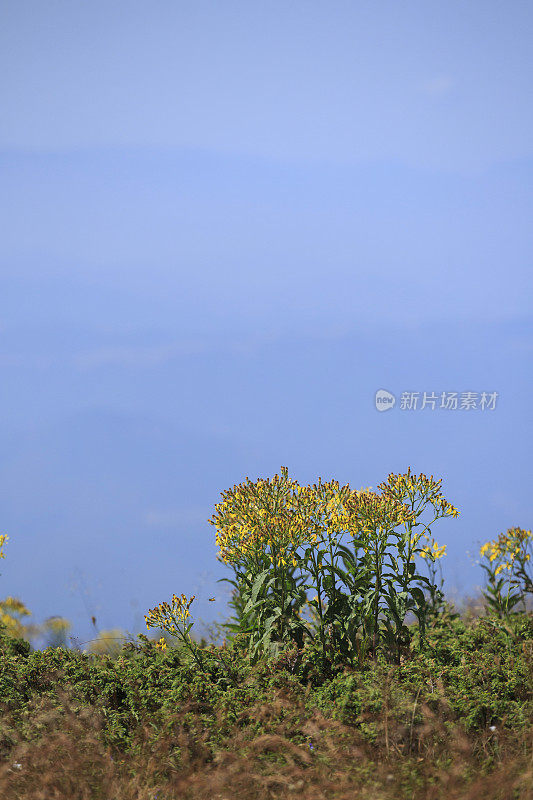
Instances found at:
x=343 y=673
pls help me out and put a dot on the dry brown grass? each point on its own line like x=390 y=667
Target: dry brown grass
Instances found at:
x=62 y=757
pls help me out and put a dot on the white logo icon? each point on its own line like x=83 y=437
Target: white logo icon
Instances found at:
x=384 y=400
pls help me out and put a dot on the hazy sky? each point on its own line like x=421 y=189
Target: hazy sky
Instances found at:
x=226 y=225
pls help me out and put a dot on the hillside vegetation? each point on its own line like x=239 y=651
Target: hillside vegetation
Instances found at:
x=383 y=690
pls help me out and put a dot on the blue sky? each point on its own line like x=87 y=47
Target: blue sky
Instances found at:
x=226 y=226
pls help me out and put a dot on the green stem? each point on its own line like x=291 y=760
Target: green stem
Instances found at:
x=320 y=611
x=334 y=590
x=376 y=598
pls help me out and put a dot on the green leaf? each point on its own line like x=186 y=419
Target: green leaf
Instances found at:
x=256 y=588
x=418 y=595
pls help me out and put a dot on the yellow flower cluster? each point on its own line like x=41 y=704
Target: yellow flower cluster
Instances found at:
x=110 y=642
x=58 y=624
x=427 y=489
x=433 y=552
x=271 y=519
x=172 y=619
x=16 y=605
x=10 y=607
x=374 y=511
x=508 y=547
x=261 y=519
x=3 y=540
x=177 y=613
x=511 y=551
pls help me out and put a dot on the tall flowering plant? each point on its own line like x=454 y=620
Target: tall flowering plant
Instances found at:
x=325 y=513
x=259 y=530
x=356 y=550
x=12 y=610
x=174 y=619
x=348 y=537
x=271 y=530
x=408 y=590
x=508 y=569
